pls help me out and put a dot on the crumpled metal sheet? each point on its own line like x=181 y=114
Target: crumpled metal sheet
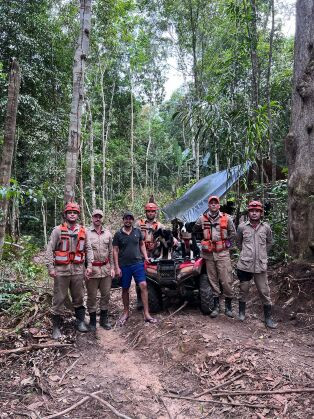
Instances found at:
x=194 y=202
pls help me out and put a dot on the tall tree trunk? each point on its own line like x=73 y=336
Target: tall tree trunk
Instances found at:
x=253 y=38
x=103 y=143
x=105 y=137
x=300 y=140
x=148 y=146
x=91 y=157
x=272 y=151
x=82 y=186
x=77 y=100
x=132 y=145
x=8 y=143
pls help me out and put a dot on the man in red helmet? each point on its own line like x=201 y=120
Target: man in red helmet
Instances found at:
x=147 y=227
x=218 y=235
x=254 y=239
x=67 y=252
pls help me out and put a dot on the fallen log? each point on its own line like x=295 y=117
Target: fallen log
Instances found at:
x=263 y=392
x=33 y=347
x=255 y=406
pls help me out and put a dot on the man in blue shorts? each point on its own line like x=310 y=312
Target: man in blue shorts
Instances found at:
x=128 y=252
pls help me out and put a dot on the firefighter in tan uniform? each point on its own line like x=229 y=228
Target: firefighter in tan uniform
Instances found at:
x=68 y=250
x=254 y=239
x=147 y=227
x=218 y=235
x=102 y=273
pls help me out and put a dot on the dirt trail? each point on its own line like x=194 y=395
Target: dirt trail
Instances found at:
x=138 y=366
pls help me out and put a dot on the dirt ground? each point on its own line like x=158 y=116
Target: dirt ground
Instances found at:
x=160 y=371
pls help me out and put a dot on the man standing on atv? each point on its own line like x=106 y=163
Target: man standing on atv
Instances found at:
x=218 y=236
x=254 y=239
x=148 y=226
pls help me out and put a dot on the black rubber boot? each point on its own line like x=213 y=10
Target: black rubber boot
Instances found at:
x=80 y=316
x=215 y=311
x=139 y=303
x=56 y=321
x=242 y=305
x=92 y=322
x=104 y=321
x=268 y=317
x=228 y=307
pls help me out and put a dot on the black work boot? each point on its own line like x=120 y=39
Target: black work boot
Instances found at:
x=80 y=316
x=268 y=318
x=215 y=311
x=228 y=308
x=56 y=321
x=139 y=303
x=92 y=322
x=104 y=321
x=242 y=305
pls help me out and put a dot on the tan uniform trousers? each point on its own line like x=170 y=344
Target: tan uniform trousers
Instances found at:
x=104 y=285
x=220 y=270
x=61 y=286
x=262 y=286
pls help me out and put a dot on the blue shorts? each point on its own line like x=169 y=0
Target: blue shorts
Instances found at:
x=136 y=271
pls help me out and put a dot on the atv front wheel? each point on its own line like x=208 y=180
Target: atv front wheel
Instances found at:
x=206 y=295
x=154 y=298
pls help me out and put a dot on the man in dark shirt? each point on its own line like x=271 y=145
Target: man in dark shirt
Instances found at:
x=128 y=252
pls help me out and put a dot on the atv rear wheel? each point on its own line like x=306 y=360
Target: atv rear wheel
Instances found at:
x=154 y=298
x=206 y=295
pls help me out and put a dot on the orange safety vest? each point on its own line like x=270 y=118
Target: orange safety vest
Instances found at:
x=63 y=256
x=209 y=246
x=150 y=244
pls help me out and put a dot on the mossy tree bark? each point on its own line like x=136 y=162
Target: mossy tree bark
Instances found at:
x=300 y=140
x=77 y=100
x=8 y=144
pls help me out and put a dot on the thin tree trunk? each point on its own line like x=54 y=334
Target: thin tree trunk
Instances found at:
x=148 y=146
x=82 y=186
x=91 y=157
x=44 y=220
x=132 y=145
x=300 y=140
x=272 y=151
x=105 y=145
x=77 y=100
x=252 y=32
x=8 y=143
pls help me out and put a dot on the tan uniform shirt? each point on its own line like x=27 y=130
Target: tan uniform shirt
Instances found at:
x=216 y=235
x=254 y=244
x=102 y=250
x=71 y=268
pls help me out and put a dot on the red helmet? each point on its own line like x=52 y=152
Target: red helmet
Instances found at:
x=151 y=206
x=72 y=206
x=255 y=205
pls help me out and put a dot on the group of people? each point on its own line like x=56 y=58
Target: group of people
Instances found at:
x=76 y=254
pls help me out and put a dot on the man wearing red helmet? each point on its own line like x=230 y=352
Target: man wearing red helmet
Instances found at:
x=254 y=239
x=67 y=251
x=218 y=235
x=147 y=227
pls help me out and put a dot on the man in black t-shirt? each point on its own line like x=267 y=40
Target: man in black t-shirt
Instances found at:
x=128 y=252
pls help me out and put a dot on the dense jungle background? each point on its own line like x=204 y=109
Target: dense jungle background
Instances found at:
x=169 y=92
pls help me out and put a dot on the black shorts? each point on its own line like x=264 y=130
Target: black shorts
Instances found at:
x=244 y=276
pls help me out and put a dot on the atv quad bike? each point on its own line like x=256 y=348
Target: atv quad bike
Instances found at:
x=178 y=278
